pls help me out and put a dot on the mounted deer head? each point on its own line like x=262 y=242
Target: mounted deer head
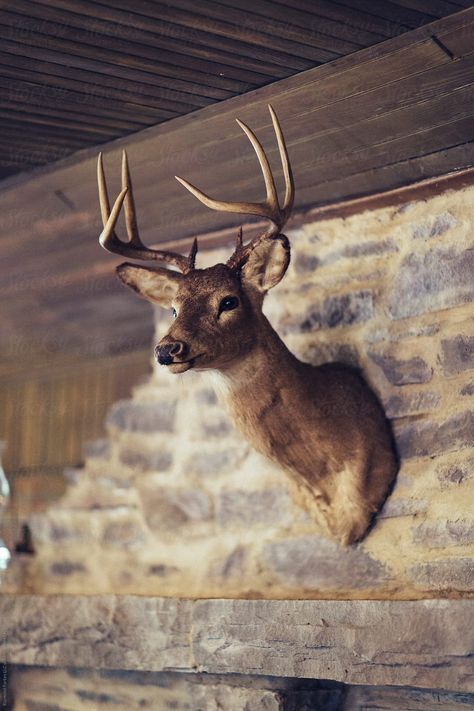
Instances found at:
x=290 y=411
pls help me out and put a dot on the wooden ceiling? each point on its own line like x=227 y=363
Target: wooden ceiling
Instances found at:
x=382 y=117
x=77 y=73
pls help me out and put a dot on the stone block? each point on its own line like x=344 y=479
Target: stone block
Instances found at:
x=304 y=263
x=440 y=534
x=231 y=566
x=458 y=354
x=232 y=698
x=319 y=353
x=206 y=396
x=444 y=575
x=252 y=508
x=434 y=227
x=66 y=567
x=145 y=460
x=424 y=439
x=215 y=461
x=32 y=705
x=402 y=372
x=97 y=449
x=432 y=281
x=339 y=310
x=320 y=564
x=215 y=425
x=450 y=475
x=168 y=509
x=412 y=404
x=366 y=698
x=467 y=389
x=145 y=416
x=394 y=508
x=127 y=530
x=362 y=249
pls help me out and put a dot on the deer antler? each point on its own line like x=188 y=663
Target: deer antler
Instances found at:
x=134 y=248
x=268 y=208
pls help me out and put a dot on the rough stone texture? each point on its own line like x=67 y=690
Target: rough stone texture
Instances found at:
x=341 y=310
x=310 y=562
x=367 y=642
x=422 y=644
x=436 y=280
x=72 y=689
x=458 y=354
x=143 y=416
x=444 y=533
x=176 y=503
x=412 y=404
x=241 y=508
x=402 y=372
x=443 y=575
x=432 y=438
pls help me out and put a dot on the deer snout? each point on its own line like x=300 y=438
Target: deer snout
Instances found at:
x=166 y=352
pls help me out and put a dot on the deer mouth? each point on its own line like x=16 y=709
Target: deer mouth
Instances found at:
x=183 y=366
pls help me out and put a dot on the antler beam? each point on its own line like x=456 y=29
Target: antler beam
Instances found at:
x=268 y=208
x=134 y=248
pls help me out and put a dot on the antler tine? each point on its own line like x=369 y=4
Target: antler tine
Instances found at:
x=285 y=162
x=192 y=254
x=134 y=248
x=268 y=208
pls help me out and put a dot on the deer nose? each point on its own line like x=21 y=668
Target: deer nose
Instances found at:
x=166 y=352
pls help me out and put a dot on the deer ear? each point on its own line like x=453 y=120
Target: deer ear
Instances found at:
x=267 y=263
x=156 y=285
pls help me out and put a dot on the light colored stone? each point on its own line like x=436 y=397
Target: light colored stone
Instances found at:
x=319 y=564
x=424 y=644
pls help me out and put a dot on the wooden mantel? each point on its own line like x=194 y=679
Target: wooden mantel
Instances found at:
x=425 y=643
x=381 y=118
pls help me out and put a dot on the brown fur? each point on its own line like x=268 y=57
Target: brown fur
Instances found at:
x=323 y=425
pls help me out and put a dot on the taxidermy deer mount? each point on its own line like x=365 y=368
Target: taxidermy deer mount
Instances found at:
x=323 y=424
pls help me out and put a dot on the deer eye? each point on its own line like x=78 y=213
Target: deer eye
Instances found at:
x=173 y=311
x=228 y=303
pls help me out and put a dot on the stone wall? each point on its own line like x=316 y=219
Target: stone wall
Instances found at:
x=40 y=689
x=174 y=502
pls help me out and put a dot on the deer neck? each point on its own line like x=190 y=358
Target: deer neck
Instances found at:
x=254 y=383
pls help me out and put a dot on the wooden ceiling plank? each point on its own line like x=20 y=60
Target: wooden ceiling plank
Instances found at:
x=311 y=15
x=207 y=41
x=84 y=94
x=439 y=8
x=354 y=17
x=271 y=20
x=23 y=92
x=394 y=176
x=66 y=41
x=131 y=78
x=19 y=134
x=392 y=12
x=28 y=102
x=458 y=42
x=29 y=117
x=170 y=50
x=56 y=23
x=26 y=68
x=236 y=27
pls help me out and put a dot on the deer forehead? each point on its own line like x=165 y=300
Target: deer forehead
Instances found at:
x=215 y=281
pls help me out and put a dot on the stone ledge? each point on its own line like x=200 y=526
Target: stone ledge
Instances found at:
x=426 y=643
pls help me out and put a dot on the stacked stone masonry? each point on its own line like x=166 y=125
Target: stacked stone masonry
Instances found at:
x=175 y=503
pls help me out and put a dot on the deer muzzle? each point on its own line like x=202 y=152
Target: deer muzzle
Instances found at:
x=166 y=353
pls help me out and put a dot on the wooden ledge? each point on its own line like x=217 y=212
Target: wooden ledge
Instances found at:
x=425 y=643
